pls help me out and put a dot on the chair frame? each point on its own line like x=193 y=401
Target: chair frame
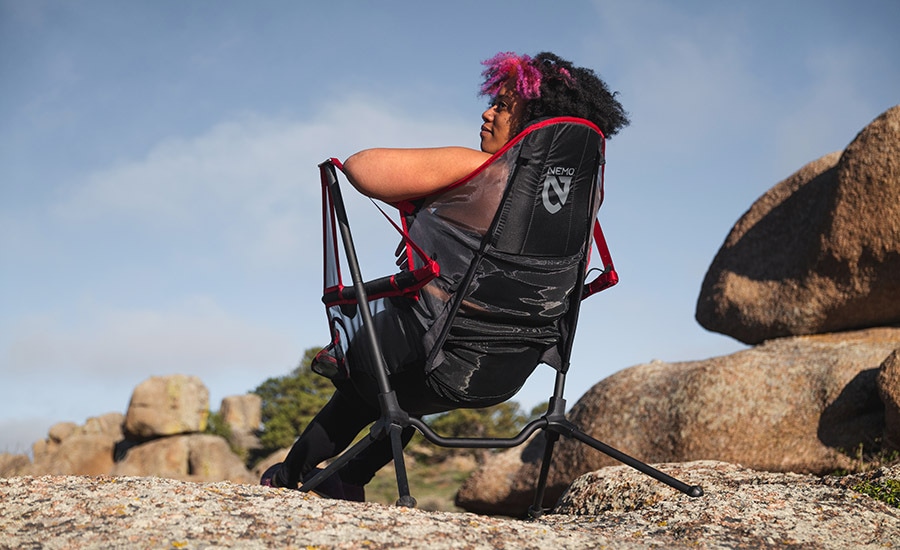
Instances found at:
x=394 y=419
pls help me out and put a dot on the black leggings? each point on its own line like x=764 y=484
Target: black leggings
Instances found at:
x=346 y=414
x=498 y=372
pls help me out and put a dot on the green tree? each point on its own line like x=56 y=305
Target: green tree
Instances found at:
x=538 y=410
x=289 y=403
x=503 y=420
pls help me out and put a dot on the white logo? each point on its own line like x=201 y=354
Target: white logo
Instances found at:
x=560 y=180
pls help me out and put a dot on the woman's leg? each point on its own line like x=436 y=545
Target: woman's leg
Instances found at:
x=363 y=467
x=327 y=435
x=355 y=404
x=416 y=399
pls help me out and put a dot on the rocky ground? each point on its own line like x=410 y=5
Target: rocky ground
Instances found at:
x=612 y=508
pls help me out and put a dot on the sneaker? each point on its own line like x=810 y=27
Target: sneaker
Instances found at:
x=354 y=493
x=270 y=477
x=334 y=487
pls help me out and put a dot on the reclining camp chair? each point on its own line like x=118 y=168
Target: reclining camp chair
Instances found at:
x=513 y=243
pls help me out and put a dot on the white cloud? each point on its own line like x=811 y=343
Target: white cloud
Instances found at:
x=712 y=83
x=831 y=110
x=195 y=336
x=249 y=184
x=682 y=75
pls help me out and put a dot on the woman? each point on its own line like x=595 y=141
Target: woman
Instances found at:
x=523 y=89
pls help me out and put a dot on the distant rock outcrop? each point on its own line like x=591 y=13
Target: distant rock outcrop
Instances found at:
x=167 y=405
x=243 y=416
x=803 y=404
x=13 y=464
x=160 y=435
x=819 y=252
x=71 y=449
x=195 y=457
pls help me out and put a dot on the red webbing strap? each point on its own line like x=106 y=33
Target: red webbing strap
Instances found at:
x=411 y=244
x=608 y=277
x=430 y=268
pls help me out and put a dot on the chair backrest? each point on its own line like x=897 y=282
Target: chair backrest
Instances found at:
x=495 y=265
x=512 y=241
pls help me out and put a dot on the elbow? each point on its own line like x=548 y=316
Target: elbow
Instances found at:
x=356 y=172
x=351 y=167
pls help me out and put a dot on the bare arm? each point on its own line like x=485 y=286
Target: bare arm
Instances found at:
x=393 y=175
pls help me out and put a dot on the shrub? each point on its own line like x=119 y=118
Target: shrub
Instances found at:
x=886 y=490
x=289 y=402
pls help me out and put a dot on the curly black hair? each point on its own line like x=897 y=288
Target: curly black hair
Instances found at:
x=567 y=90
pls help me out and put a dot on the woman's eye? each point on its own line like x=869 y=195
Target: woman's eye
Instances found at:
x=500 y=104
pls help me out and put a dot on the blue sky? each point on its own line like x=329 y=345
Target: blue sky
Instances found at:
x=159 y=202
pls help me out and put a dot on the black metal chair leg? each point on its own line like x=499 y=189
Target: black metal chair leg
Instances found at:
x=537 y=507
x=405 y=499
x=690 y=490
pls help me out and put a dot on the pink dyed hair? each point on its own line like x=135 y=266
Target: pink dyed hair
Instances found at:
x=509 y=66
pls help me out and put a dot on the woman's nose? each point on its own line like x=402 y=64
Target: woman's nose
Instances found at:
x=488 y=115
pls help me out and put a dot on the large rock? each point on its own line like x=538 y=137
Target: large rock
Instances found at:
x=167 y=405
x=70 y=449
x=889 y=391
x=742 y=509
x=194 y=457
x=242 y=413
x=211 y=459
x=819 y=252
x=730 y=491
x=90 y=454
x=13 y=464
x=243 y=416
x=273 y=458
x=802 y=404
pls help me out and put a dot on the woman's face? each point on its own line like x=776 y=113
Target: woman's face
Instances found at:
x=500 y=119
